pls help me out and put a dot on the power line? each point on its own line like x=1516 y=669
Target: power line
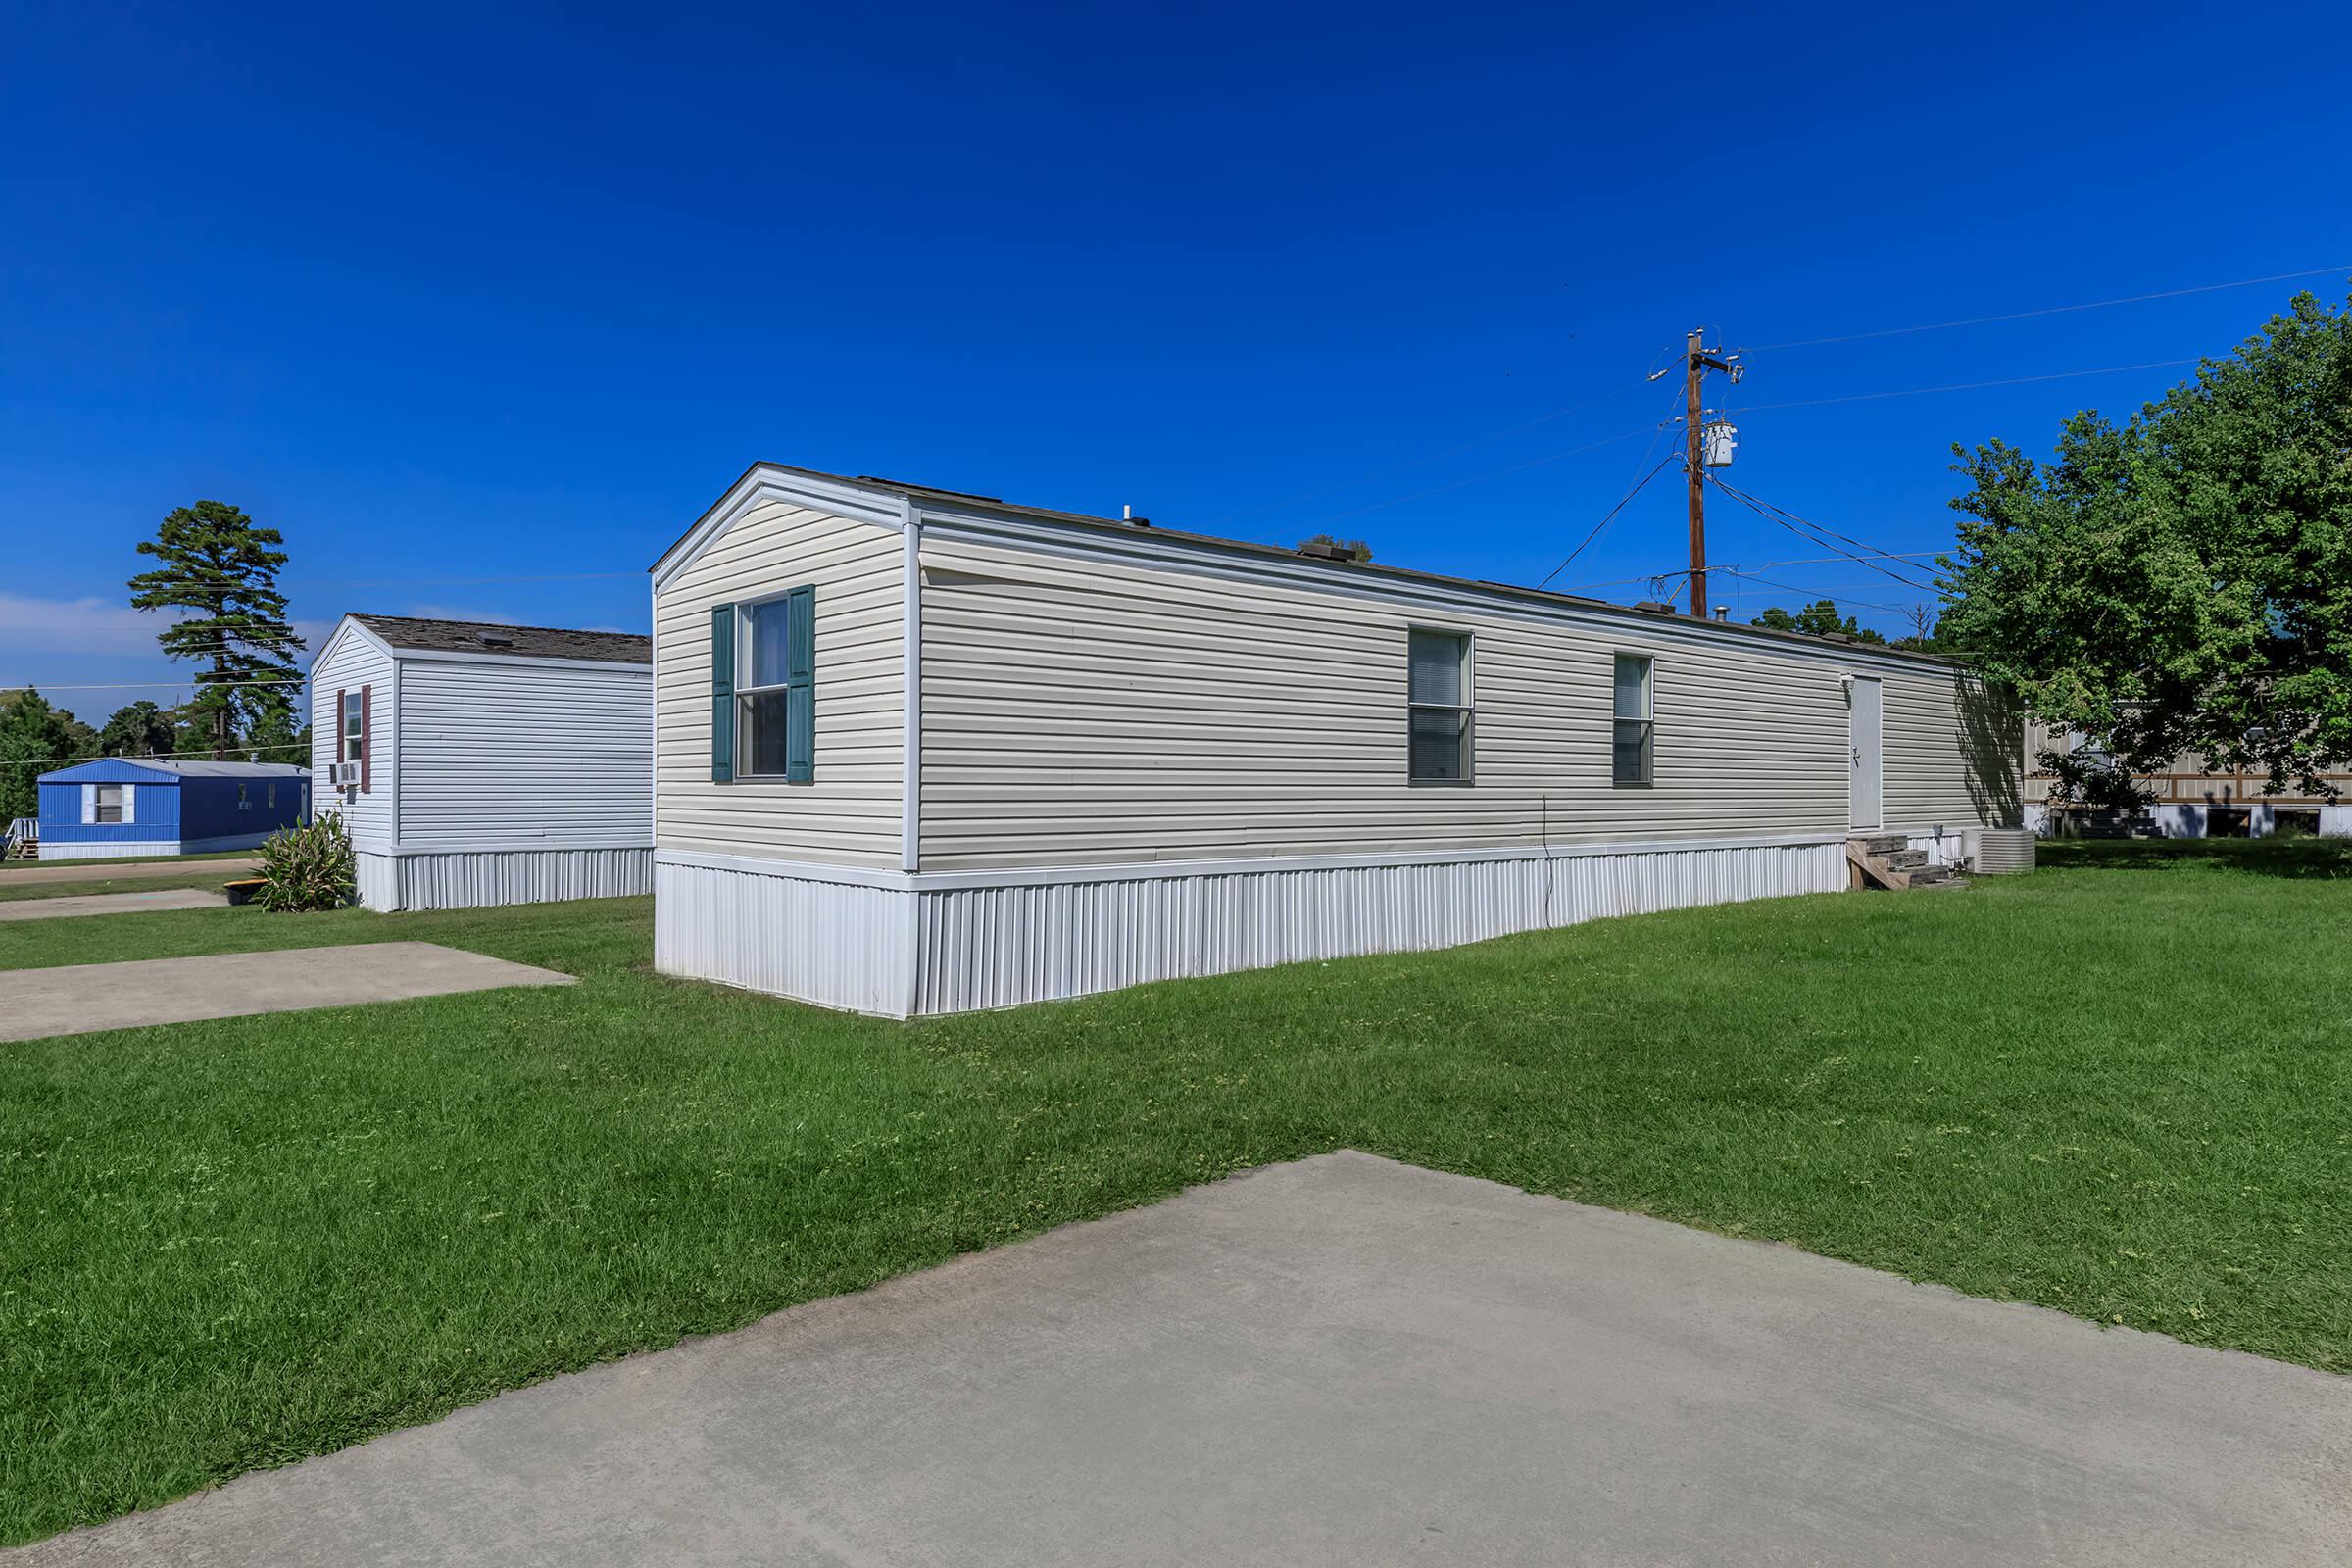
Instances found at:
x=1801 y=560
x=1480 y=478
x=1964 y=386
x=1665 y=423
x=1813 y=531
x=1639 y=486
x=1895 y=609
x=2047 y=309
x=1908 y=582
x=1382 y=473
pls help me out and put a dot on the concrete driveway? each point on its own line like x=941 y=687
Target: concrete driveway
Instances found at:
x=1344 y=1361
x=23 y=871
x=65 y=908
x=83 y=998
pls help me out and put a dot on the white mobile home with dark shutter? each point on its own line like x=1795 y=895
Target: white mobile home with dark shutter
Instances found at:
x=920 y=752
x=477 y=764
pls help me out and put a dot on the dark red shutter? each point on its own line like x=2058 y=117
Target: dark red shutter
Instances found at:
x=367 y=737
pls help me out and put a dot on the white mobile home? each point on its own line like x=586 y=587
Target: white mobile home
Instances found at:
x=919 y=751
x=476 y=763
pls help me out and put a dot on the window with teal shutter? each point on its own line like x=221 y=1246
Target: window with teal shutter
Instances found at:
x=722 y=694
x=775 y=689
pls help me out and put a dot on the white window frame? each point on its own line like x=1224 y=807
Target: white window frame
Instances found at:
x=98 y=804
x=354 y=727
x=745 y=692
x=1648 y=719
x=1467 y=708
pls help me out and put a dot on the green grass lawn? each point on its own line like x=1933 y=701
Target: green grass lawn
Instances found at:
x=2117 y=1087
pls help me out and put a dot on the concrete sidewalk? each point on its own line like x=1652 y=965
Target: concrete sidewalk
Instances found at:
x=83 y=997
x=65 y=909
x=21 y=872
x=1344 y=1361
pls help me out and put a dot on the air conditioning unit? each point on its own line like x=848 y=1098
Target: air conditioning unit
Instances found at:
x=343 y=776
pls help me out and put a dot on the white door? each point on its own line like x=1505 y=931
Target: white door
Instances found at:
x=1864 y=795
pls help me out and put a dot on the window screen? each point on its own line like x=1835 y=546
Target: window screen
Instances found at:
x=776 y=689
x=1439 y=728
x=1633 y=741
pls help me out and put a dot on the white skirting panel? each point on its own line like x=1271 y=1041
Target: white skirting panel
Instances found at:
x=1002 y=945
x=378 y=880
x=894 y=947
x=110 y=849
x=835 y=944
x=472 y=879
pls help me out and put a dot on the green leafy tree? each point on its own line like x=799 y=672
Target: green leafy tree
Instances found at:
x=1819 y=618
x=137 y=729
x=2182 y=582
x=34 y=738
x=278 y=739
x=222 y=570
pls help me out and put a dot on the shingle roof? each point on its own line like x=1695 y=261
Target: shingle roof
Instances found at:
x=523 y=641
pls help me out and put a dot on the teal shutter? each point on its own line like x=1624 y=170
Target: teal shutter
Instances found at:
x=722 y=694
x=799 y=687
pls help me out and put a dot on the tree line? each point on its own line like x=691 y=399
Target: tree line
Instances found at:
x=216 y=575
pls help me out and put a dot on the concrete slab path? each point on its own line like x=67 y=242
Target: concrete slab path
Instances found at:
x=83 y=997
x=1344 y=1361
x=65 y=909
x=21 y=872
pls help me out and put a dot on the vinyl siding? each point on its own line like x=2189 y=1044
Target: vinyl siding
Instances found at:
x=1953 y=754
x=522 y=755
x=349 y=665
x=1075 y=713
x=851 y=813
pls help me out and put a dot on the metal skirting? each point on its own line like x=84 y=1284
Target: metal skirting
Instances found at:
x=471 y=879
x=898 y=951
x=836 y=944
x=108 y=848
x=378 y=881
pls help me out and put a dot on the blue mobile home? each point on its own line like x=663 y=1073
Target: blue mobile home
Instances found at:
x=121 y=807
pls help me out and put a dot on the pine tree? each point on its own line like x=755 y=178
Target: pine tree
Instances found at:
x=223 y=570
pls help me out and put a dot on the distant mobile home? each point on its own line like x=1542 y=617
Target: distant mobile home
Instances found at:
x=133 y=808
x=476 y=763
x=921 y=752
x=2186 y=801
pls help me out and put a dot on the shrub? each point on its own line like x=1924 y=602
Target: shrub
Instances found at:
x=308 y=867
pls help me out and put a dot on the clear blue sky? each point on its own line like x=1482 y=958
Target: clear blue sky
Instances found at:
x=448 y=298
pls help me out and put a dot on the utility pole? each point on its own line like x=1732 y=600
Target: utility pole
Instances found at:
x=1697 y=363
